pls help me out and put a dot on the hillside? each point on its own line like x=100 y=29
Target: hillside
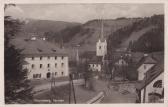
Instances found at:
x=145 y=35
x=41 y=26
x=86 y=35
x=137 y=34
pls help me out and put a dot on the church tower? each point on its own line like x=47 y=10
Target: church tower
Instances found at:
x=101 y=45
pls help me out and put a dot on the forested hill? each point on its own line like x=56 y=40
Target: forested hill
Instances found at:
x=137 y=34
x=145 y=35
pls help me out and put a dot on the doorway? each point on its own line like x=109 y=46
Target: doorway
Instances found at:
x=48 y=75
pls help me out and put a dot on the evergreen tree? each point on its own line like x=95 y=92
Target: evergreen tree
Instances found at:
x=17 y=87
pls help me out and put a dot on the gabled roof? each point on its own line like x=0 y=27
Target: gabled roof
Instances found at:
x=146 y=60
x=95 y=60
x=38 y=47
x=149 y=60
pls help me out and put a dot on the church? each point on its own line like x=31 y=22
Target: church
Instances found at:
x=96 y=62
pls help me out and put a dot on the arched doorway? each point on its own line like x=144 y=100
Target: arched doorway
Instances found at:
x=48 y=75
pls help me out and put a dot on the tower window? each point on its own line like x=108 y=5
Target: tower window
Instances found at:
x=48 y=57
x=48 y=65
x=62 y=57
x=41 y=65
x=32 y=66
x=55 y=57
x=99 y=47
x=62 y=73
x=62 y=64
x=41 y=57
x=32 y=58
x=55 y=65
x=55 y=73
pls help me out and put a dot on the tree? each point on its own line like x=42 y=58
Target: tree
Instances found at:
x=88 y=77
x=17 y=87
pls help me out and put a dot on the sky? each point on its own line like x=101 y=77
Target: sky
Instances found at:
x=83 y=12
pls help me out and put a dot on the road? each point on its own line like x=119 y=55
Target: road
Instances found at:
x=115 y=96
x=48 y=85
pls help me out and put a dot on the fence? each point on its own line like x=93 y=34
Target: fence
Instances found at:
x=96 y=99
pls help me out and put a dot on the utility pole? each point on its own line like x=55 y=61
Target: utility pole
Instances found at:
x=71 y=85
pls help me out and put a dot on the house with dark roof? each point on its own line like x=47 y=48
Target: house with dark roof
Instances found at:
x=43 y=59
x=144 y=65
x=151 y=88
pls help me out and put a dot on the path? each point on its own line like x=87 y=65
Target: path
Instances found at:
x=114 y=95
x=48 y=85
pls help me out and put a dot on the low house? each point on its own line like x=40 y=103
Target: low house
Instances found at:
x=145 y=64
x=151 y=89
x=95 y=63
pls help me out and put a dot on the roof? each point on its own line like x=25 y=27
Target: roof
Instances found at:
x=146 y=60
x=153 y=73
x=149 y=60
x=95 y=60
x=38 y=47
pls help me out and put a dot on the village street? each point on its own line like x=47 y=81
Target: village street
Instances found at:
x=48 y=85
x=113 y=93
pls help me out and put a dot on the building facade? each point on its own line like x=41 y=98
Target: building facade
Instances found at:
x=150 y=89
x=46 y=66
x=101 y=48
x=95 y=66
x=147 y=64
x=43 y=59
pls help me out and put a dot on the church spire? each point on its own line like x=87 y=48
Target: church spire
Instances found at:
x=102 y=26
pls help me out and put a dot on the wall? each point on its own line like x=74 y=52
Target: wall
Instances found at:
x=103 y=50
x=150 y=88
x=95 y=67
x=143 y=69
x=55 y=69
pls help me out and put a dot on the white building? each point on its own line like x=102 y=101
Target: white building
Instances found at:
x=95 y=66
x=151 y=89
x=146 y=63
x=101 y=47
x=44 y=60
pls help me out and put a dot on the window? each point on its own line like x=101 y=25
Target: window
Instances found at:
x=144 y=66
x=39 y=75
x=55 y=73
x=32 y=58
x=55 y=65
x=55 y=57
x=62 y=64
x=41 y=65
x=99 y=47
x=41 y=57
x=62 y=73
x=48 y=57
x=48 y=65
x=62 y=57
x=36 y=75
x=32 y=66
x=158 y=84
